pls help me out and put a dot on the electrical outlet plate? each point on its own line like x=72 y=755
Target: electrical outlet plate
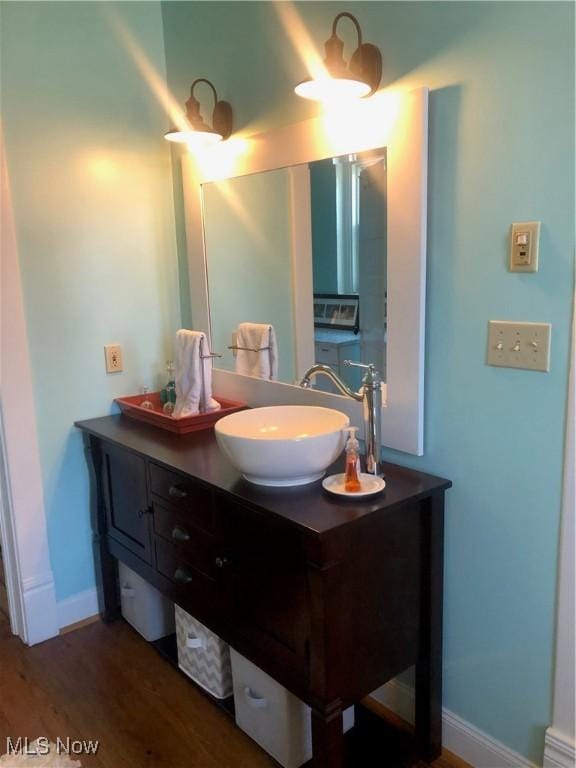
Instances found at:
x=524 y=246
x=113 y=355
x=519 y=345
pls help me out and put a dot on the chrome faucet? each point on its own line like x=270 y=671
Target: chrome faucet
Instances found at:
x=370 y=395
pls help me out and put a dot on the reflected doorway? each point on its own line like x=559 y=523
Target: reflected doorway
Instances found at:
x=349 y=259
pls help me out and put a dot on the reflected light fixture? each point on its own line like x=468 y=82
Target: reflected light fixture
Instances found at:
x=196 y=129
x=361 y=78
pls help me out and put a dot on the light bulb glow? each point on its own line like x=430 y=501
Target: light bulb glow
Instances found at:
x=222 y=160
x=329 y=89
x=193 y=138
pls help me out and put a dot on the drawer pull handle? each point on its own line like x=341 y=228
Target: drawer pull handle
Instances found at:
x=143 y=512
x=180 y=535
x=194 y=642
x=176 y=492
x=220 y=562
x=182 y=575
x=256 y=702
x=128 y=592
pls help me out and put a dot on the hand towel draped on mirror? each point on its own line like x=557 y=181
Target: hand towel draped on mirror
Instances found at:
x=193 y=374
x=256 y=351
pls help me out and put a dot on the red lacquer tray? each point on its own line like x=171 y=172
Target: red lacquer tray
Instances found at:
x=132 y=408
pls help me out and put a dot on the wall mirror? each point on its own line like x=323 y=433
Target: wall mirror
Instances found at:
x=248 y=243
x=319 y=231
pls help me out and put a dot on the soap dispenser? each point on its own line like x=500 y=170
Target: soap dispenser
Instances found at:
x=351 y=477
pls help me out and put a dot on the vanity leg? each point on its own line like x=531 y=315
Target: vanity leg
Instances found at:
x=107 y=582
x=106 y=565
x=327 y=739
x=429 y=667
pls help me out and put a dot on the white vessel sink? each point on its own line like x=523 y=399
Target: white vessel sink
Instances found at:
x=284 y=444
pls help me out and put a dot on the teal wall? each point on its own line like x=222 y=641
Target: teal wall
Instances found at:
x=91 y=183
x=323 y=203
x=501 y=150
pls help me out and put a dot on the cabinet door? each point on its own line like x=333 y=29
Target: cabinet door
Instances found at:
x=326 y=353
x=127 y=509
x=265 y=583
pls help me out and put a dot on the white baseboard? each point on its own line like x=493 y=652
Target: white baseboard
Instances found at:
x=464 y=740
x=559 y=750
x=40 y=621
x=81 y=606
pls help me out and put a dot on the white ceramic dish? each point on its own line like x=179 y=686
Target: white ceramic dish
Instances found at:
x=282 y=445
x=370 y=486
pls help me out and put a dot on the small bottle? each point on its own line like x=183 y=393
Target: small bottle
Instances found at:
x=146 y=402
x=351 y=479
x=168 y=393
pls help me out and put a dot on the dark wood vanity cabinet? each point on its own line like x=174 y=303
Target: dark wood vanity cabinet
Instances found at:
x=329 y=597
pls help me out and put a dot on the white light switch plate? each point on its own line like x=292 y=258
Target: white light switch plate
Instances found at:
x=519 y=345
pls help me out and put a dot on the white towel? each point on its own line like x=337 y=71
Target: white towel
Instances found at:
x=193 y=375
x=257 y=353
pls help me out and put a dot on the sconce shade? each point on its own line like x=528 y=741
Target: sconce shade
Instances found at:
x=197 y=131
x=361 y=78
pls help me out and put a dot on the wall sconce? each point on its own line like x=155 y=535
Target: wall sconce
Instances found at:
x=198 y=130
x=361 y=78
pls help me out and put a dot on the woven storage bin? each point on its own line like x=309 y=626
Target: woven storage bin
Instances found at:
x=203 y=656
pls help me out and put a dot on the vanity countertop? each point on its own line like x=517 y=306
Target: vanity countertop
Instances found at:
x=335 y=336
x=309 y=506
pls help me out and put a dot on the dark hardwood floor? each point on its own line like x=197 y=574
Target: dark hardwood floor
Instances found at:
x=104 y=682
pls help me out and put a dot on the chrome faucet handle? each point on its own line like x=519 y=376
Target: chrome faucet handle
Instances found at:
x=366 y=366
x=372 y=375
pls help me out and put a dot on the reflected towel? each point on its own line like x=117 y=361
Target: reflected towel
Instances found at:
x=257 y=353
x=193 y=375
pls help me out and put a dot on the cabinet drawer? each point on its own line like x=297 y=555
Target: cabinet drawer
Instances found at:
x=195 y=591
x=195 y=545
x=326 y=353
x=190 y=499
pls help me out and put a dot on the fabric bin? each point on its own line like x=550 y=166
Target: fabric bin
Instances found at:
x=276 y=719
x=203 y=656
x=148 y=611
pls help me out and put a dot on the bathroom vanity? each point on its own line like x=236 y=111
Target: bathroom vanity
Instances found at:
x=331 y=598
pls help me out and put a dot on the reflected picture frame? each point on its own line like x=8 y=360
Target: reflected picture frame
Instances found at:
x=340 y=311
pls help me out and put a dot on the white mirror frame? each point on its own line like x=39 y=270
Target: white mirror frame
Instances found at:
x=399 y=122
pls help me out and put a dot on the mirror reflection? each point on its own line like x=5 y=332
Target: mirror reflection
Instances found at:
x=251 y=243
x=249 y=265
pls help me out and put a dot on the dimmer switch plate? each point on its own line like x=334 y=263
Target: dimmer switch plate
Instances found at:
x=524 y=246
x=519 y=345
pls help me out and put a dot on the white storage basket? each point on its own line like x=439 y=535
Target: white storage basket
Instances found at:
x=276 y=719
x=149 y=612
x=203 y=656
